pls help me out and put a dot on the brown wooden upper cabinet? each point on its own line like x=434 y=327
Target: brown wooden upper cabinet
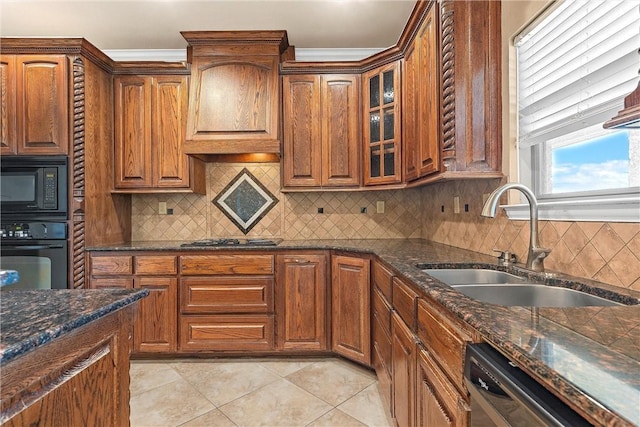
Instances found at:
x=150 y=116
x=35 y=104
x=321 y=130
x=421 y=101
x=382 y=161
x=234 y=95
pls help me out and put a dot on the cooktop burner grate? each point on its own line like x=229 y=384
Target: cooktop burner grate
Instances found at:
x=232 y=242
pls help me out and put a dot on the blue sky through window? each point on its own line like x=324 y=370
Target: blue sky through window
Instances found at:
x=597 y=164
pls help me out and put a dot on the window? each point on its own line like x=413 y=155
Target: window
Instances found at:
x=576 y=63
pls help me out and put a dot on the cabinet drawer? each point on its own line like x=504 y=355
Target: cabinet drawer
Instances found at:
x=223 y=332
x=156 y=264
x=226 y=295
x=226 y=264
x=382 y=279
x=382 y=311
x=111 y=265
x=445 y=342
x=404 y=302
x=115 y=282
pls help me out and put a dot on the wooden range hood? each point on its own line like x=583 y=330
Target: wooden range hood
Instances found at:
x=234 y=95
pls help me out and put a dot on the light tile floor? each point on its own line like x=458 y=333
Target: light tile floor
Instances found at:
x=254 y=392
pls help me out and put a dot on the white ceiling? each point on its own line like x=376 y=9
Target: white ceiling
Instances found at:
x=156 y=24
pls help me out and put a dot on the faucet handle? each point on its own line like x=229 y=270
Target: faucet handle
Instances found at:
x=506 y=257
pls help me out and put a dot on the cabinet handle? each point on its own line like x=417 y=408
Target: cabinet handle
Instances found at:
x=301 y=261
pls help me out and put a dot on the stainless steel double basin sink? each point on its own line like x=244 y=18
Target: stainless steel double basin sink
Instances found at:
x=499 y=287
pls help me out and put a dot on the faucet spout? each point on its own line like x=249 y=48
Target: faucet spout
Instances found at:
x=536 y=255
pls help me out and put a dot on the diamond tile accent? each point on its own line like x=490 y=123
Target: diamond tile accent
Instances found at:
x=245 y=201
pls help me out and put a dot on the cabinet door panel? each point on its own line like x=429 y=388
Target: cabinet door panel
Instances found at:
x=302 y=131
x=403 y=359
x=8 y=142
x=42 y=104
x=351 y=308
x=302 y=302
x=438 y=402
x=169 y=100
x=429 y=115
x=410 y=123
x=340 y=130
x=156 y=322
x=381 y=96
x=133 y=132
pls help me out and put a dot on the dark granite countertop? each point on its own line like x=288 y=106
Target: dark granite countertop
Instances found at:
x=29 y=319
x=588 y=355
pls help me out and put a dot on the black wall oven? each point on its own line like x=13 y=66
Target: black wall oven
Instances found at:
x=38 y=251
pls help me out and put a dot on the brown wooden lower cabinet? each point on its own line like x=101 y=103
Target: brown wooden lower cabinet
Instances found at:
x=438 y=401
x=302 y=302
x=79 y=379
x=403 y=348
x=155 y=329
x=227 y=332
x=351 y=308
x=156 y=322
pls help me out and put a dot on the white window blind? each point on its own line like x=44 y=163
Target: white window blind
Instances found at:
x=576 y=66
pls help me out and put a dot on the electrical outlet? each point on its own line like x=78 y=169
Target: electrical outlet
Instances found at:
x=380 y=206
x=456 y=205
x=162 y=208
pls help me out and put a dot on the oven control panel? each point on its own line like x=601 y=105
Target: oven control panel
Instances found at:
x=33 y=230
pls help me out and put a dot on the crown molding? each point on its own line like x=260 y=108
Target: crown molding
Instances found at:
x=180 y=55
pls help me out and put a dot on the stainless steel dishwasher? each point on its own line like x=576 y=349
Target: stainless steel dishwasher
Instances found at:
x=504 y=395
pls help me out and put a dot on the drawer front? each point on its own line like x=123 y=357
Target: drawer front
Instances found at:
x=156 y=264
x=226 y=295
x=233 y=333
x=405 y=301
x=382 y=311
x=444 y=342
x=382 y=279
x=116 y=282
x=226 y=264
x=111 y=265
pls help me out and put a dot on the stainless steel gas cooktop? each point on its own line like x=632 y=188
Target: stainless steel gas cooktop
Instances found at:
x=232 y=242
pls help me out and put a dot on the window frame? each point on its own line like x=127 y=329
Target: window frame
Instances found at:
x=612 y=205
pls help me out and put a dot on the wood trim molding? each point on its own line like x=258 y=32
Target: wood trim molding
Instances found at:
x=63 y=46
x=78 y=185
x=447 y=18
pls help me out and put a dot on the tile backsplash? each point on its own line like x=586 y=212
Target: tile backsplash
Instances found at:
x=608 y=252
x=295 y=217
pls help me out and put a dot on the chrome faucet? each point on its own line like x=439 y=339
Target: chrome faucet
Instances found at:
x=536 y=255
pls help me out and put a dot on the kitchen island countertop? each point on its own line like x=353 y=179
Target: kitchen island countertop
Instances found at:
x=590 y=356
x=30 y=319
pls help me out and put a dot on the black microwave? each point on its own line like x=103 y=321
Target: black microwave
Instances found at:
x=33 y=186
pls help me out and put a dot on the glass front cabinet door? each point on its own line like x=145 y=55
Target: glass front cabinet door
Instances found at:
x=382 y=163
